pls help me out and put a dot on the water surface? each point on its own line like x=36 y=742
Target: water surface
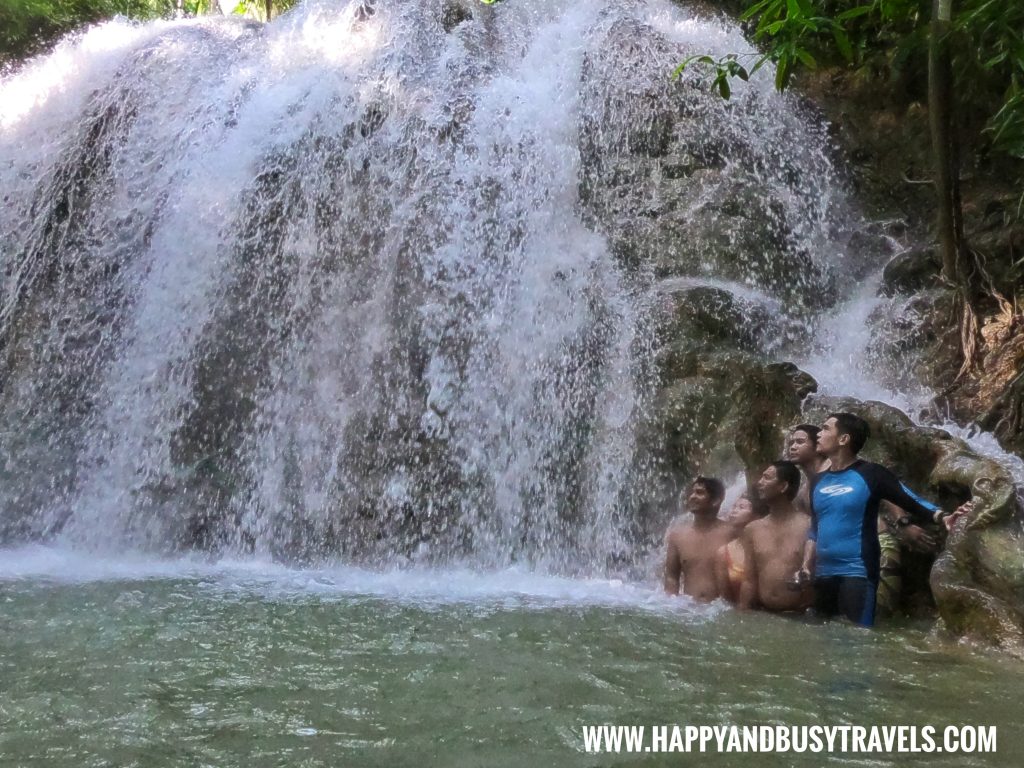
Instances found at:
x=241 y=664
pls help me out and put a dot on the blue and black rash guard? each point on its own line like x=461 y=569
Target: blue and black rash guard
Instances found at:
x=844 y=517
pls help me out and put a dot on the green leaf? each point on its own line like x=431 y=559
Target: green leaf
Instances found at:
x=806 y=59
x=757 y=9
x=723 y=87
x=793 y=8
x=997 y=59
x=843 y=43
x=782 y=73
x=760 y=63
x=854 y=13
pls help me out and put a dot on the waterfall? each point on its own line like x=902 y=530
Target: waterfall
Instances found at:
x=378 y=280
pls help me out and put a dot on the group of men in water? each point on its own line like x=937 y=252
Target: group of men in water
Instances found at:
x=799 y=545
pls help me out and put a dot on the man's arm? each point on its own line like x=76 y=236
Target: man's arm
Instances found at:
x=914 y=535
x=889 y=488
x=748 y=587
x=810 y=552
x=673 y=566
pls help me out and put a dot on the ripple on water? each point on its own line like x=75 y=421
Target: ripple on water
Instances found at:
x=228 y=665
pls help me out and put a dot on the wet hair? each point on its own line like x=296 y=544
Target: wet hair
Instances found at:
x=854 y=426
x=714 y=486
x=789 y=473
x=811 y=430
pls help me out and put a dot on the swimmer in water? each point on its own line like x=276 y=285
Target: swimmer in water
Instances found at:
x=774 y=545
x=842 y=552
x=729 y=562
x=691 y=547
x=802 y=449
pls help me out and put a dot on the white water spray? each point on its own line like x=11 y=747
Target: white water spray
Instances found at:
x=377 y=285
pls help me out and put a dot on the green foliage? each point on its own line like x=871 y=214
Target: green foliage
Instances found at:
x=990 y=34
x=724 y=68
x=26 y=23
x=891 y=35
x=257 y=9
x=798 y=29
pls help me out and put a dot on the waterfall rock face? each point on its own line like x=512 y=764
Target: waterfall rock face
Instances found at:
x=431 y=280
x=443 y=281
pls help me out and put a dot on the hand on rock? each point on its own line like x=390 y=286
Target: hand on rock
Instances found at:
x=961 y=511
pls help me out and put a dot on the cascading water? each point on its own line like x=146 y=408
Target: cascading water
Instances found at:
x=378 y=280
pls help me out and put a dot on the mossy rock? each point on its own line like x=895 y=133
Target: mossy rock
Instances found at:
x=724 y=414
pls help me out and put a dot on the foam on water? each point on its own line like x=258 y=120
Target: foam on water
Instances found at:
x=513 y=588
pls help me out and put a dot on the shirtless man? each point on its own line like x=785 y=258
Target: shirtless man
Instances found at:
x=775 y=545
x=802 y=449
x=692 y=547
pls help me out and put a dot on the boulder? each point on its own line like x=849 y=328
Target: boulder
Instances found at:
x=720 y=408
x=911 y=271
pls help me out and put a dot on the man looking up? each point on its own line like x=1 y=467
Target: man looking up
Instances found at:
x=842 y=546
x=774 y=545
x=692 y=547
x=802 y=449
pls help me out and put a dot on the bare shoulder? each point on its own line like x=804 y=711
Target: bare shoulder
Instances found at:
x=678 y=532
x=800 y=523
x=755 y=528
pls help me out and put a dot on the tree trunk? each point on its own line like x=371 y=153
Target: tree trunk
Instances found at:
x=269 y=5
x=947 y=182
x=958 y=263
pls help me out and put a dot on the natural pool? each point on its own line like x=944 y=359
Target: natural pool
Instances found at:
x=242 y=664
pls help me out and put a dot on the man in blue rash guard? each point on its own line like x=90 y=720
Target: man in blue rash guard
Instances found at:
x=842 y=549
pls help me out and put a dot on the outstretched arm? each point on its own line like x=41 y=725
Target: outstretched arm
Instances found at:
x=891 y=489
x=964 y=509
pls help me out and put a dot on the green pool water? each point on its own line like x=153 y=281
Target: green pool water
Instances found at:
x=190 y=664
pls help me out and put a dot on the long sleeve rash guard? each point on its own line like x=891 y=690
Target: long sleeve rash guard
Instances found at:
x=844 y=517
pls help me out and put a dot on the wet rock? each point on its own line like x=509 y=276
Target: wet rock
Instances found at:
x=454 y=13
x=677 y=184
x=720 y=408
x=727 y=413
x=912 y=271
x=709 y=316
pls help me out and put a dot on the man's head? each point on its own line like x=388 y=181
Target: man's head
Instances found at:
x=843 y=430
x=780 y=479
x=705 y=497
x=802 y=446
x=743 y=512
